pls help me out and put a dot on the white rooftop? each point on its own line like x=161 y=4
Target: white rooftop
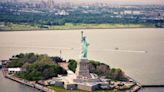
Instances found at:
x=14 y=69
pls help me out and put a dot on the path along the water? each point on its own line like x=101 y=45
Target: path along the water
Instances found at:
x=26 y=82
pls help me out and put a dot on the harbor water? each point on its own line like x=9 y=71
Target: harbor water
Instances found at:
x=139 y=52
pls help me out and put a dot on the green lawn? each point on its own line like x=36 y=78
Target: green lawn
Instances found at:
x=60 y=89
x=18 y=27
x=110 y=91
x=95 y=26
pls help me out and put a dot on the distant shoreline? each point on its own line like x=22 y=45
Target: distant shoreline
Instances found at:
x=70 y=26
x=74 y=29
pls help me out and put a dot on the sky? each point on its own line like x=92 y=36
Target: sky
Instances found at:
x=109 y=1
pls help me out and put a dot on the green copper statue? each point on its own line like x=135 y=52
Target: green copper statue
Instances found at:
x=84 y=47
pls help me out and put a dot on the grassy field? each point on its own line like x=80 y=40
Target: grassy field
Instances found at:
x=21 y=27
x=60 y=89
x=13 y=27
x=96 y=26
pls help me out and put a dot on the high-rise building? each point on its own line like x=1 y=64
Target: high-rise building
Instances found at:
x=50 y=4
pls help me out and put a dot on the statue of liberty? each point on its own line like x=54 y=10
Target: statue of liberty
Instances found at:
x=84 y=47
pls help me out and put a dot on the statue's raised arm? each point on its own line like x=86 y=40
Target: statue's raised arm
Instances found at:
x=82 y=36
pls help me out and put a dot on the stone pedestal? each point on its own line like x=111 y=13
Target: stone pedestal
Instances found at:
x=82 y=72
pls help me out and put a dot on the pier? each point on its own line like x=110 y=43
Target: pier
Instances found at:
x=136 y=87
x=149 y=86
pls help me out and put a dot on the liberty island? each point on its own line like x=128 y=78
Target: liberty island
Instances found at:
x=82 y=79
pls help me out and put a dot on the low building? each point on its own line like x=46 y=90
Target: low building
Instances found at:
x=70 y=86
x=106 y=80
x=105 y=86
x=56 y=83
x=43 y=82
x=88 y=86
x=15 y=70
x=4 y=62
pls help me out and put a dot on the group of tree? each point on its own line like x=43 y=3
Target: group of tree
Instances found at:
x=101 y=69
x=104 y=70
x=38 y=67
x=50 y=19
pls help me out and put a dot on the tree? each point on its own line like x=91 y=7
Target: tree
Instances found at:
x=92 y=68
x=102 y=69
x=57 y=59
x=72 y=64
x=21 y=59
x=49 y=72
x=118 y=74
x=43 y=59
x=38 y=67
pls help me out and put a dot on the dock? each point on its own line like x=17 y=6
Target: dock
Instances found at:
x=136 y=87
x=148 y=86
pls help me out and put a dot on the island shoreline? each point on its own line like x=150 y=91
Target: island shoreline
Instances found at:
x=134 y=88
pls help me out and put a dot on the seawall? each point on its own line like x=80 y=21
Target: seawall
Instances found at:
x=26 y=82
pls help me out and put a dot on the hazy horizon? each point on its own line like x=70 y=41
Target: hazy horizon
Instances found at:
x=161 y=2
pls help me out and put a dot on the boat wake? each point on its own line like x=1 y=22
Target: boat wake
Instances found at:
x=70 y=48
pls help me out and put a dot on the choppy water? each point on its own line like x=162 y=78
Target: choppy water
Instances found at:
x=140 y=52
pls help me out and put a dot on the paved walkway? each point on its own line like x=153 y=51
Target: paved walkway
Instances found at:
x=26 y=82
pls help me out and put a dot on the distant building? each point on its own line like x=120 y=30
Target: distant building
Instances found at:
x=2 y=24
x=127 y=12
x=62 y=13
x=136 y=12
